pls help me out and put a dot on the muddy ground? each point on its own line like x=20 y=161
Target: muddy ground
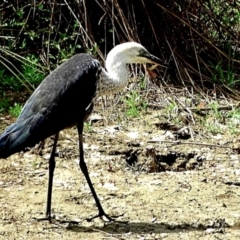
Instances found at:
x=169 y=177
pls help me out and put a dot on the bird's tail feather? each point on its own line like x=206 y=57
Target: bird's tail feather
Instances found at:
x=13 y=139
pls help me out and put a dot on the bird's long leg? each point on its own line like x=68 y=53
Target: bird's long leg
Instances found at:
x=51 y=168
x=84 y=169
x=50 y=180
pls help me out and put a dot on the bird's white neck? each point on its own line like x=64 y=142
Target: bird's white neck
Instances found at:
x=116 y=77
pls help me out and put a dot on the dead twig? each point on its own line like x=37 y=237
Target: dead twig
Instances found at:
x=109 y=235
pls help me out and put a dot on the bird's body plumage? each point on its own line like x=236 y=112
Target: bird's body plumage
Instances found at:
x=59 y=102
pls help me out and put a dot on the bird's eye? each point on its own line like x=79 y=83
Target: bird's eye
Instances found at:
x=143 y=53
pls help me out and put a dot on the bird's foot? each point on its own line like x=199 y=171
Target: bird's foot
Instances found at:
x=47 y=218
x=102 y=214
x=57 y=220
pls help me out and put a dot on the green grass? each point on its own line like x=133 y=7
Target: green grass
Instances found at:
x=134 y=104
x=214 y=120
x=88 y=127
x=213 y=127
x=15 y=110
x=226 y=77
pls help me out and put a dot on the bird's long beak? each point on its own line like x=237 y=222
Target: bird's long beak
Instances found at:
x=153 y=59
x=149 y=58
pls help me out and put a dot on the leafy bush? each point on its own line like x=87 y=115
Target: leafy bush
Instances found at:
x=199 y=40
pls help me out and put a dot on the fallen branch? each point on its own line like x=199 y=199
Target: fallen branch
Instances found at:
x=197 y=109
x=192 y=143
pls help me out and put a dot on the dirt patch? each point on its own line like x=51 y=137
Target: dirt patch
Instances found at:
x=167 y=185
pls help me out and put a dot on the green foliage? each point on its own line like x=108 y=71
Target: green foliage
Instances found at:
x=4 y=102
x=227 y=13
x=209 y=48
x=53 y=30
x=134 y=104
x=213 y=127
x=213 y=120
x=88 y=127
x=219 y=121
x=227 y=77
x=5 y=79
x=33 y=75
x=94 y=50
x=142 y=83
x=234 y=121
x=234 y=114
x=34 y=36
x=172 y=107
x=28 y=75
x=15 y=110
x=215 y=111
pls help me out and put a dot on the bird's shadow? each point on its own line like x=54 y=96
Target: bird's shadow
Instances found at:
x=141 y=227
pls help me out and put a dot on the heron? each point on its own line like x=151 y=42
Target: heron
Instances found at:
x=64 y=99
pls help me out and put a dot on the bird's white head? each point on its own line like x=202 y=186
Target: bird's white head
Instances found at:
x=117 y=74
x=129 y=52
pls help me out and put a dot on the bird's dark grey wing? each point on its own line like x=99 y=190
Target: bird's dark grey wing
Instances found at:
x=60 y=101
